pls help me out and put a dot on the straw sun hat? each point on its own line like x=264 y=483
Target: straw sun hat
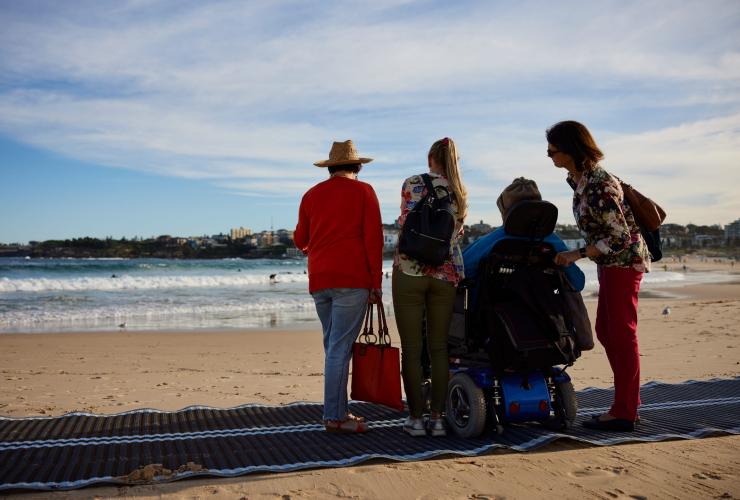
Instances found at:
x=342 y=153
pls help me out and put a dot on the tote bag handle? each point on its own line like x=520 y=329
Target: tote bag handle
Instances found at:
x=368 y=336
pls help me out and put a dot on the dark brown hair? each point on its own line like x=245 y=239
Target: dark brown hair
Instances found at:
x=353 y=167
x=574 y=139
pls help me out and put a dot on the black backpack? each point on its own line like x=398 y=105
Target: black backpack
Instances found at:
x=427 y=232
x=654 y=244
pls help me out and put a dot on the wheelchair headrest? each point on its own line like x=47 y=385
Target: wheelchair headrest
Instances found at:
x=531 y=219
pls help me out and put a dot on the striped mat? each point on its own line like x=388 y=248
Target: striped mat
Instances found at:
x=80 y=449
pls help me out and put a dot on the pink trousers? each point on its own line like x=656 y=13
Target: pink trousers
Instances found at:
x=616 y=329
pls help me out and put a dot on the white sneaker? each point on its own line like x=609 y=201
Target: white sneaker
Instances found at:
x=414 y=427
x=437 y=427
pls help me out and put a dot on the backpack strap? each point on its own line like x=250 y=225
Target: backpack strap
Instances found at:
x=430 y=187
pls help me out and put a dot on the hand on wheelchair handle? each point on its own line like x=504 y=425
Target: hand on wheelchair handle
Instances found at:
x=567 y=258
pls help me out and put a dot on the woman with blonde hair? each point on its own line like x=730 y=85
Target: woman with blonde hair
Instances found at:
x=420 y=288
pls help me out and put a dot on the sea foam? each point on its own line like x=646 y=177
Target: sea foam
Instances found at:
x=128 y=282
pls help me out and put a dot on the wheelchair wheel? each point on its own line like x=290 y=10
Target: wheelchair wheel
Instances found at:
x=565 y=407
x=465 y=406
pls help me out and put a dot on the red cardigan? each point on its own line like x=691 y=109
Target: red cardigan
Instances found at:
x=339 y=228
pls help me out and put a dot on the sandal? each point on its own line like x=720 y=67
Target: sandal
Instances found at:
x=355 y=417
x=346 y=426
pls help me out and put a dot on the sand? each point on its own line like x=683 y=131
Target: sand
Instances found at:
x=51 y=374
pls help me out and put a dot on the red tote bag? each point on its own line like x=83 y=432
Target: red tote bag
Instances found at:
x=376 y=365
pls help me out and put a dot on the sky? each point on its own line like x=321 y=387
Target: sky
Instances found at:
x=148 y=117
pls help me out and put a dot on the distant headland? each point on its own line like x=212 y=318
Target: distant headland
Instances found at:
x=278 y=244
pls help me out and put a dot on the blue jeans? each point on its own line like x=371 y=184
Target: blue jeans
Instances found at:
x=341 y=311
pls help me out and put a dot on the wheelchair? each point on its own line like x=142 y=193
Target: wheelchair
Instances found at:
x=515 y=330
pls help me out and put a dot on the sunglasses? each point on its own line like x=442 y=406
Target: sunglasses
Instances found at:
x=552 y=153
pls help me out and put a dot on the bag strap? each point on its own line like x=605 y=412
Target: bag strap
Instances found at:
x=367 y=330
x=430 y=187
x=368 y=335
x=384 y=336
x=431 y=190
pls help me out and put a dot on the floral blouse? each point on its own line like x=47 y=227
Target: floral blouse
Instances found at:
x=452 y=270
x=607 y=222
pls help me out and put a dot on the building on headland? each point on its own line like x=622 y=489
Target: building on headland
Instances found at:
x=293 y=252
x=674 y=236
x=481 y=228
x=692 y=236
x=240 y=233
x=732 y=232
x=283 y=237
x=707 y=240
x=390 y=238
x=265 y=239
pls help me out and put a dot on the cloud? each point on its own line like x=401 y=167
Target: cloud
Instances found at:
x=247 y=95
x=692 y=168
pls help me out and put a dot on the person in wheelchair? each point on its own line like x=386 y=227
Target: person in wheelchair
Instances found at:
x=519 y=190
x=519 y=321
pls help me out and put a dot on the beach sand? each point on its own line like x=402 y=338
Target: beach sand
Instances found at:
x=51 y=374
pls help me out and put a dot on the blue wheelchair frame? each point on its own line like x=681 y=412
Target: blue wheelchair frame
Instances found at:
x=516 y=397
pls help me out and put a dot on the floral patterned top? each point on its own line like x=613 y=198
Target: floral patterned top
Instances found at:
x=452 y=270
x=607 y=222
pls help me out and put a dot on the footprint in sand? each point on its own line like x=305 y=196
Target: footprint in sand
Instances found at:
x=617 y=493
x=706 y=475
x=595 y=472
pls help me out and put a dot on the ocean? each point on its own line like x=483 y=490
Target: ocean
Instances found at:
x=51 y=295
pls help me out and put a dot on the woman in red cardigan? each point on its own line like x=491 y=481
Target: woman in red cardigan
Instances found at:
x=339 y=228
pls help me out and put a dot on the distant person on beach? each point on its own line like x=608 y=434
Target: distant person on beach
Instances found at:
x=614 y=243
x=339 y=228
x=520 y=189
x=419 y=287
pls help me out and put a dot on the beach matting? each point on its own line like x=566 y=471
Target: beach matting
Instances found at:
x=149 y=446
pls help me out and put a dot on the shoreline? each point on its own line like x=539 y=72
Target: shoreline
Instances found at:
x=225 y=299
x=673 y=291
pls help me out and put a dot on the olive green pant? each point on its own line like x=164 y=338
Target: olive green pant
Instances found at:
x=412 y=296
